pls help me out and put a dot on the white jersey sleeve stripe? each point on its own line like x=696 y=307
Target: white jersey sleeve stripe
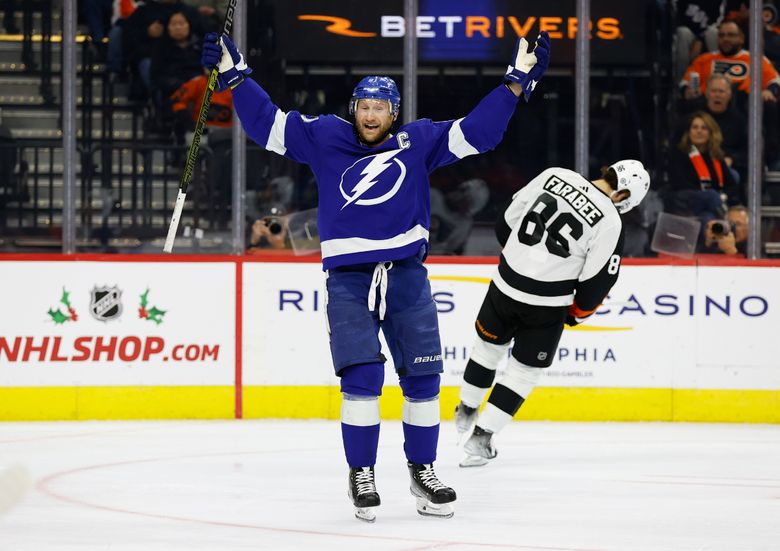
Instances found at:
x=458 y=144
x=349 y=245
x=276 y=136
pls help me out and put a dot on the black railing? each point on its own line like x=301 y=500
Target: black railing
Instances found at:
x=125 y=189
x=44 y=7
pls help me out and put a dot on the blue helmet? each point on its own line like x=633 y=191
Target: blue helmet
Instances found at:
x=374 y=87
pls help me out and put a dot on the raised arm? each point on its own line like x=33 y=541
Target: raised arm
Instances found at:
x=483 y=128
x=287 y=134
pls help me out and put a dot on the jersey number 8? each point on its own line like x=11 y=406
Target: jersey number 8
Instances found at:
x=536 y=222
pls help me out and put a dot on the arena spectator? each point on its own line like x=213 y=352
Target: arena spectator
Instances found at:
x=187 y=99
x=728 y=236
x=176 y=57
x=717 y=102
x=699 y=177
x=697 y=30
x=738 y=11
x=270 y=232
x=115 y=59
x=771 y=33
x=734 y=61
x=175 y=60
x=144 y=30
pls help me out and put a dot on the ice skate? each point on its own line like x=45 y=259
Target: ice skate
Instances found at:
x=465 y=417
x=362 y=492
x=479 y=448
x=434 y=499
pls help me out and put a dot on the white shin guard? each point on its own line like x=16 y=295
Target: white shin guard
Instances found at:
x=520 y=379
x=489 y=356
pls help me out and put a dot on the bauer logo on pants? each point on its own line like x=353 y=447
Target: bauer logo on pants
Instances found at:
x=105 y=303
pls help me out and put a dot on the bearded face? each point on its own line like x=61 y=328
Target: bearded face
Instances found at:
x=730 y=38
x=373 y=120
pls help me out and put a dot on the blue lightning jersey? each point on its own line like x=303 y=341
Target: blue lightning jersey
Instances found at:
x=374 y=202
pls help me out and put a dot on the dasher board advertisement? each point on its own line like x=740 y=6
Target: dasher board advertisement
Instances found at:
x=660 y=327
x=76 y=323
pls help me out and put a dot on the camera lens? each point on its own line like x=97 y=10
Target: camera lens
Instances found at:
x=274 y=227
x=718 y=228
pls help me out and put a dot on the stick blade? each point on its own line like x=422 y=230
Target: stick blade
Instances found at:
x=172 y=229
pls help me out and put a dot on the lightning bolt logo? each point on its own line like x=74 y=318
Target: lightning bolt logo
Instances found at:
x=370 y=174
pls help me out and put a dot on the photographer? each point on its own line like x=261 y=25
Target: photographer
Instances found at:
x=728 y=236
x=269 y=232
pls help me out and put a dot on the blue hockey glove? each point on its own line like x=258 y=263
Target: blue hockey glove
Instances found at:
x=220 y=52
x=528 y=67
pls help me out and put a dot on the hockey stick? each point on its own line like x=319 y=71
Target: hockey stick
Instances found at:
x=192 y=152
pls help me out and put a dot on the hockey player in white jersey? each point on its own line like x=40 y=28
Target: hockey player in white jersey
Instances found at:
x=562 y=242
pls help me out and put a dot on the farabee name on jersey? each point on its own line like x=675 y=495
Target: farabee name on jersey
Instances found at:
x=579 y=202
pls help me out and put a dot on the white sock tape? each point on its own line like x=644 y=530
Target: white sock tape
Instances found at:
x=359 y=412
x=422 y=414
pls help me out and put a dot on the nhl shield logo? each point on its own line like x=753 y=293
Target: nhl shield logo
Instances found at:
x=105 y=303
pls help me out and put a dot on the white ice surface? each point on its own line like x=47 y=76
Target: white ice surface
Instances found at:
x=281 y=485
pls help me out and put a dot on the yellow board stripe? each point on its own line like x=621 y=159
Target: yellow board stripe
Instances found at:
x=553 y=404
x=101 y=403
x=323 y=402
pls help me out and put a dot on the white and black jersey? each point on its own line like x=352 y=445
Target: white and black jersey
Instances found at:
x=562 y=237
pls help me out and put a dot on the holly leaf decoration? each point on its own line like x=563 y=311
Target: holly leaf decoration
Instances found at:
x=65 y=298
x=155 y=314
x=150 y=314
x=58 y=316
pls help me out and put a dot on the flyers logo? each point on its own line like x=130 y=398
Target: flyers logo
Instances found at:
x=734 y=69
x=338 y=25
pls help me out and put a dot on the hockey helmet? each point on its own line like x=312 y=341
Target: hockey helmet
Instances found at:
x=631 y=176
x=376 y=87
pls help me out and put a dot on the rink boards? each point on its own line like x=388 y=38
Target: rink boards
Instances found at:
x=148 y=337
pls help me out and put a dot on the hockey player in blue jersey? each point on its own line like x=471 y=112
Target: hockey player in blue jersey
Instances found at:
x=373 y=220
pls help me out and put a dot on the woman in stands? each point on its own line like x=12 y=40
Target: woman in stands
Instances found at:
x=175 y=60
x=700 y=179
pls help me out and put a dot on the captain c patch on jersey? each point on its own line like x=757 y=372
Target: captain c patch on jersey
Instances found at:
x=579 y=202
